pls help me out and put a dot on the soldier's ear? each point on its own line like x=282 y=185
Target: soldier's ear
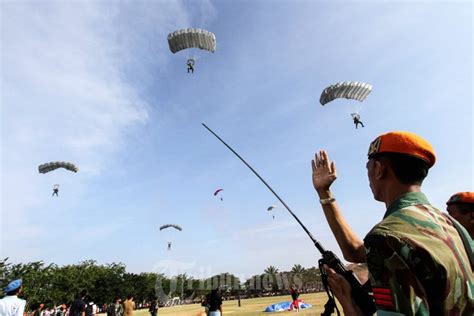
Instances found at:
x=380 y=169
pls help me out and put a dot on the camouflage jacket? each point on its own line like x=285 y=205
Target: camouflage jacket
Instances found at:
x=418 y=264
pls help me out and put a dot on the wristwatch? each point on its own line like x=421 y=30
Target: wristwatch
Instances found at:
x=329 y=200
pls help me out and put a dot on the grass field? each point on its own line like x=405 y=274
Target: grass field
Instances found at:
x=254 y=306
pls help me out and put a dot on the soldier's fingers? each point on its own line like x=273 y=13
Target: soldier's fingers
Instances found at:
x=326 y=159
x=321 y=158
x=333 y=168
x=313 y=165
x=329 y=271
x=318 y=160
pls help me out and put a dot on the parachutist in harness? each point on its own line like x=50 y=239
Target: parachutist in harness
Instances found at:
x=169 y=245
x=357 y=121
x=190 y=64
x=55 y=190
x=217 y=192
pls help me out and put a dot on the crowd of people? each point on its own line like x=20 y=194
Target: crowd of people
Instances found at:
x=82 y=305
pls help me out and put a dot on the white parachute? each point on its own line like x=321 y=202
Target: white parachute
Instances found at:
x=192 y=38
x=50 y=166
x=348 y=89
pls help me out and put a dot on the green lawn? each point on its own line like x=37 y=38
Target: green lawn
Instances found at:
x=254 y=306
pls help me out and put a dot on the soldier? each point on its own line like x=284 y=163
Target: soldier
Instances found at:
x=417 y=261
x=357 y=121
x=55 y=190
x=294 y=298
x=190 y=64
x=461 y=207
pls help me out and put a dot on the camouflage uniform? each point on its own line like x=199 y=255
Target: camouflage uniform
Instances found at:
x=417 y=262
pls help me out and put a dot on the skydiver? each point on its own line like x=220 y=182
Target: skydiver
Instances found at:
x=190 y=64
x=357 y=120
x=169 y=245
x=55 y=190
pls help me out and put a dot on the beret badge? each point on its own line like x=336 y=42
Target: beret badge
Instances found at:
x=374 y=147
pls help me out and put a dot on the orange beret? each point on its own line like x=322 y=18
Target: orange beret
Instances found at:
x=461 y=198
x=403 y=143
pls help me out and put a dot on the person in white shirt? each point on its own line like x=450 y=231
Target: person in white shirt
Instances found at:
x=11 y=305
x=95 y=309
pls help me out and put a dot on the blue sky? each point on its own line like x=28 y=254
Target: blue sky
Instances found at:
x=94 y=83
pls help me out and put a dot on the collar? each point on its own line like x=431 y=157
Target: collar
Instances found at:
x=405 y=200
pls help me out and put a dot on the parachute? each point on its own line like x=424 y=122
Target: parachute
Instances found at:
x=50 y=166
x=217 y=191
x=171 y=225
x=192 y=38
x=177 y=227
x=271 y=208
x=285 y=306
x=349 y=90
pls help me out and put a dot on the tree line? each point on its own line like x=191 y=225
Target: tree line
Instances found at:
x=53 y=285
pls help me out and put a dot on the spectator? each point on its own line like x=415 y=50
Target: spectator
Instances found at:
x=116 y=308
x=66 y=309
x=60 y=311
x=89 y=305
x=215 y=303
x=11 y=305
x=205 y=304
x=78 y=307
x=128 y=306
x=153 y=309
x=37 y=309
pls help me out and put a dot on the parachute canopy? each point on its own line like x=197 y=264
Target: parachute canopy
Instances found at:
x=285 y=306
x=50 y=166
x=349 y=90
x=217 y=191
x=271 y=208
x=171 y=225
x=192 y=38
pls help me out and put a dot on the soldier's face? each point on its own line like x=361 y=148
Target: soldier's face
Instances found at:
x=466 y=219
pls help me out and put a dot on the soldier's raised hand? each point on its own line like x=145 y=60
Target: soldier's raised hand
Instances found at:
x=324 y=171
